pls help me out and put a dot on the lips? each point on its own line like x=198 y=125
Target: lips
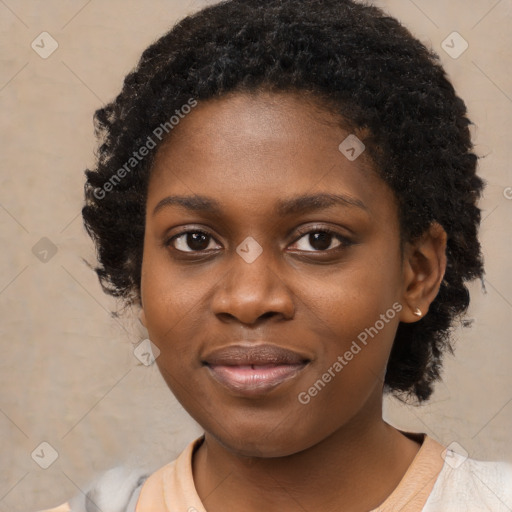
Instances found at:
x=262 y=354
x=255 y=369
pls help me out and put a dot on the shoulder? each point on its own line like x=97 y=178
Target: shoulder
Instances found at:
x=121 y=489
x=471 y=483
x=115 y=490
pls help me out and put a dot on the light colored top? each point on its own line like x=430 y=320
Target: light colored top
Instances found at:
x=437 y=480
x=172 y=489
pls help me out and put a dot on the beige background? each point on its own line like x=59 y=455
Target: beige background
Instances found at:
x=68 y=374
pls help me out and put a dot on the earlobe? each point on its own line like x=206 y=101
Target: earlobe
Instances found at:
x=424 y=269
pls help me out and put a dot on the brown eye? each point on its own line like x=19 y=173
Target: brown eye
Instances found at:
x=320 y=240
x=191 y=241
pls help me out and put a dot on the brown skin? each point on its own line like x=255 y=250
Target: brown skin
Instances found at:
x=271 y=452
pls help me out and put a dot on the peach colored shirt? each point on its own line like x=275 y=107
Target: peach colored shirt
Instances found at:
x=172 y=489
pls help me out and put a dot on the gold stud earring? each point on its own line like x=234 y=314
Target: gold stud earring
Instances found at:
x=418 y=312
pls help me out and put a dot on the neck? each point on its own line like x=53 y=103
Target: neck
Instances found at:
x=354 y=469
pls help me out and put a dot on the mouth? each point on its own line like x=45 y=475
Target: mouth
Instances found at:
x=254 y=370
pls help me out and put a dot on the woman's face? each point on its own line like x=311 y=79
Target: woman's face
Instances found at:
x=257 y=181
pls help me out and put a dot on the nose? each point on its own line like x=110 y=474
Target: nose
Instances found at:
x=252 y=291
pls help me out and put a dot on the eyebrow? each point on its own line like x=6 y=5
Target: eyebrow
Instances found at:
x=298 y=204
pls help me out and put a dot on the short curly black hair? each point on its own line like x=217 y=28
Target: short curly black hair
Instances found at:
x=364 y=66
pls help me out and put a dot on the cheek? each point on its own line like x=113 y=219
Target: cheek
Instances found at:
x=346 y=302
x=172 y=305
x=357 y=330
x=171 y=299
x=355 y=315
x=169 y=292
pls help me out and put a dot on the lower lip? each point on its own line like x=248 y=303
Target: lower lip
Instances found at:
x=254 y=381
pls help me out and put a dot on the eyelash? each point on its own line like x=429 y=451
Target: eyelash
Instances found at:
x=344 y=242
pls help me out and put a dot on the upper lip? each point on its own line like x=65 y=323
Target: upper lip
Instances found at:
x=265 y=353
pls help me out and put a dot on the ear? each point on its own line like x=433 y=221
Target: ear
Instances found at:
x=424 y=266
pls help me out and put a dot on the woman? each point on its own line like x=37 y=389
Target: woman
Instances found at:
x=287 y=190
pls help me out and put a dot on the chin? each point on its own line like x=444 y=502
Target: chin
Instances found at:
x=251 y=440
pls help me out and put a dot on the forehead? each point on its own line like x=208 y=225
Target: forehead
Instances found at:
x=257 y=148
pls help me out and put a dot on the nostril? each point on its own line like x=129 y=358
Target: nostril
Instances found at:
x=268 y=314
